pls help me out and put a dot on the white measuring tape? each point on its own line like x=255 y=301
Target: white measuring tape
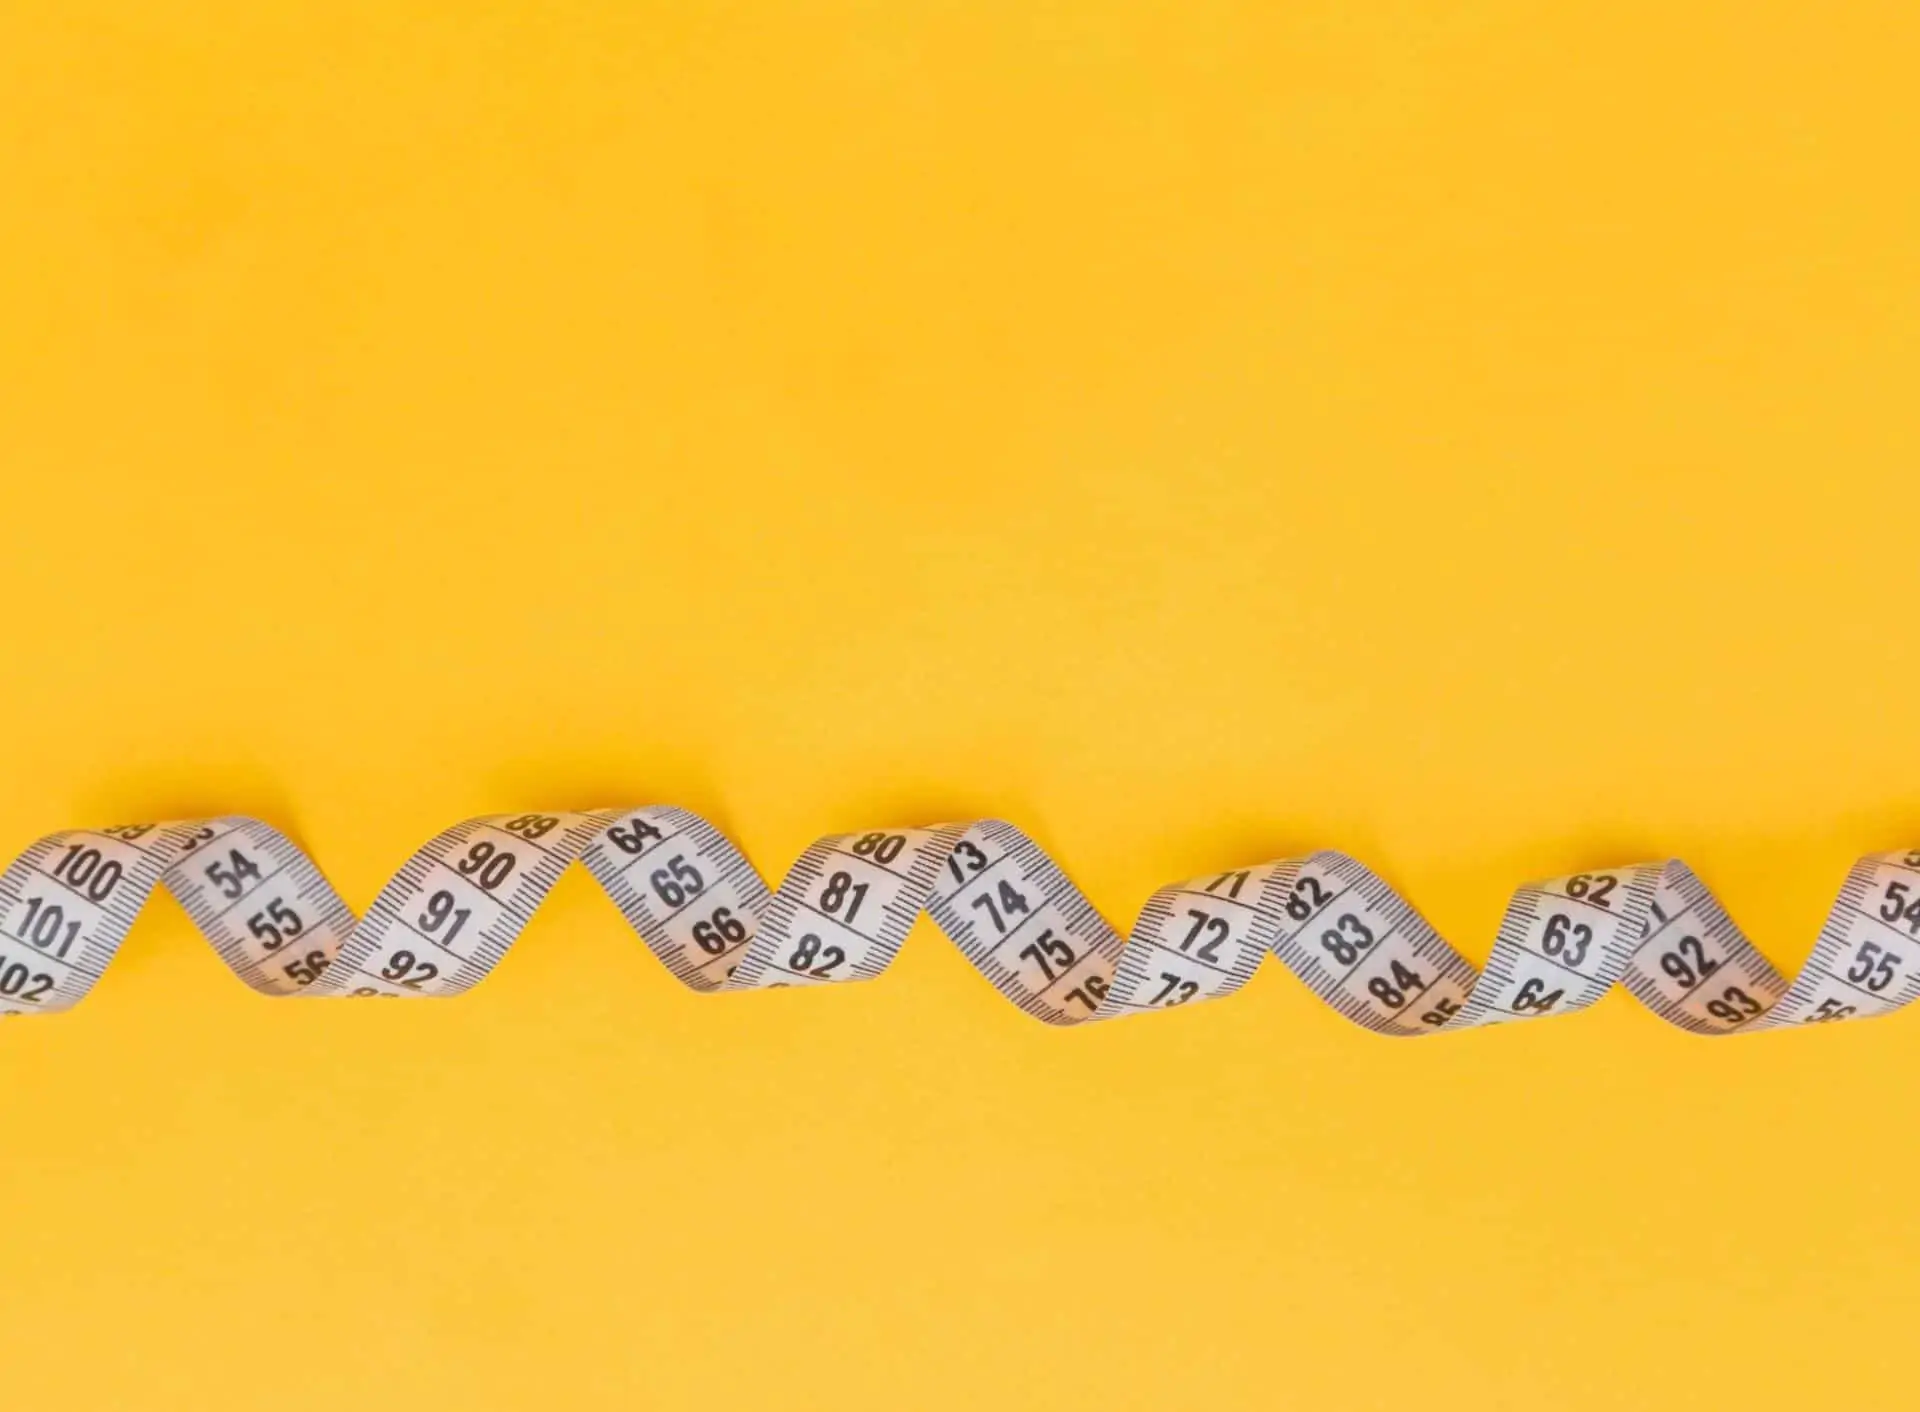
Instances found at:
x=449 y=915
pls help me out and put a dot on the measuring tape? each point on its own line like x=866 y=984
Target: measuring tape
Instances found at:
x=447 y=918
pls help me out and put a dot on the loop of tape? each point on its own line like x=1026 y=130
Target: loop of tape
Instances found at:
x=448 y=916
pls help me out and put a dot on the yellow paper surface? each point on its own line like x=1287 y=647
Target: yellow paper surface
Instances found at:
x=1478 y=436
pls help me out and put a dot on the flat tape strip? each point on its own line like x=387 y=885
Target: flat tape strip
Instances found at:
x=447 y=918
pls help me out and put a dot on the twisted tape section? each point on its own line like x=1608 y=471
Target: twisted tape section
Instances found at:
x=447 y=917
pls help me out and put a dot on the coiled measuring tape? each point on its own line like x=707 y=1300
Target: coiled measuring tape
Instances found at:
x=447 y=918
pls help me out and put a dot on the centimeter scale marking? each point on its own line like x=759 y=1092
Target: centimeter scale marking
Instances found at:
x=450 y=914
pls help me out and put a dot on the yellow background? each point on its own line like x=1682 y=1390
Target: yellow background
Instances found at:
x=1479 y=436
